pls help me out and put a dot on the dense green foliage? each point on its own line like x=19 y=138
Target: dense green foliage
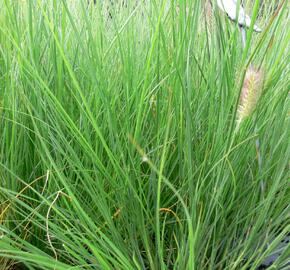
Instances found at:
x=119 y=146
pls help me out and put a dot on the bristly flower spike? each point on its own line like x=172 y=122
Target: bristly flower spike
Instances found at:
x=250 y=94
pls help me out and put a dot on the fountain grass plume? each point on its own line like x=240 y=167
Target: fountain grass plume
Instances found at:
x=250 y=94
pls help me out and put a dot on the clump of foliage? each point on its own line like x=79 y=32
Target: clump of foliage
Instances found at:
x=119 y=146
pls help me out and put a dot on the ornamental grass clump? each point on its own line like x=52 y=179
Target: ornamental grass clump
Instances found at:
x=250 y=94
x=117 y=137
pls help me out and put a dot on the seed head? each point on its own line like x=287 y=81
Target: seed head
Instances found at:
x=251 y=92
x=209 y=18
